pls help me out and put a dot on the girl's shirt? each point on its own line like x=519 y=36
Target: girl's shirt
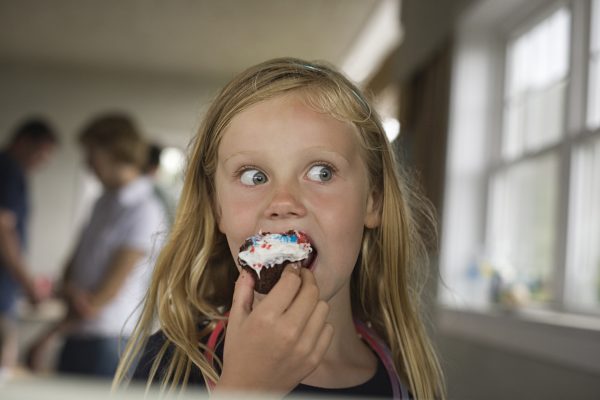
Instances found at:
x=378 y=386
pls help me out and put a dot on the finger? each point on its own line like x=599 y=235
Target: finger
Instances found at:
x=243 y=296
x=305 y=302
x=307 y=276
x=281 y=296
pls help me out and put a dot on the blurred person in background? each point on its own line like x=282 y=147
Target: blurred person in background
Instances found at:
x=151 y=170
x=153 y=164
x=30 y=147
x=107 y=276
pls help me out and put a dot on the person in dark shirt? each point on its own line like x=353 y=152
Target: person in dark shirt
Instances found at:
x=30 y=146
x=291 y=145
x=378 y=386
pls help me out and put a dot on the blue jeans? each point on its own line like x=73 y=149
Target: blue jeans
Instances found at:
x=9 y=291
x=93 y=356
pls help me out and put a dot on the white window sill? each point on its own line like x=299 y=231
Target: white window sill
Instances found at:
x=566 y=339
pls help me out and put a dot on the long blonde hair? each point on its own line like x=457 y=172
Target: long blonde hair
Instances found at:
x=195 y=273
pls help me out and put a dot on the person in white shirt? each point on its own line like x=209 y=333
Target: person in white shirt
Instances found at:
x=107 y=276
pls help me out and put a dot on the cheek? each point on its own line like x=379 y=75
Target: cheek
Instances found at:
x=346 y=221
x=235 y=210
x=348 y=238
x=232 y=214
x=343 y=209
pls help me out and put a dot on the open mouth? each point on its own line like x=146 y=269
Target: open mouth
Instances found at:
x=266 y=254
x=269 y=249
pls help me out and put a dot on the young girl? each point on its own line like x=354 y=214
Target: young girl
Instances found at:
x=292 y=145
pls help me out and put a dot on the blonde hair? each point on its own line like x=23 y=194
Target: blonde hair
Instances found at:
x=194 y=276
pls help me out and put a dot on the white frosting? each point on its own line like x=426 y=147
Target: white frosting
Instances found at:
x=273 y=249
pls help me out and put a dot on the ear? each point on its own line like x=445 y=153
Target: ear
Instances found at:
x=373 y=211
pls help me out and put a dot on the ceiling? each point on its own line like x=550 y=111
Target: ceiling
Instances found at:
x=200 y=38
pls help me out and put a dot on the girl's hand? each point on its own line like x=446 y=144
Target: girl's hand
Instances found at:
x=272 y=347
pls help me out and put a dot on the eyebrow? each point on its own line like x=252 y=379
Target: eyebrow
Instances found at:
x=319 y=148
x=336 y=153
x=240 y=153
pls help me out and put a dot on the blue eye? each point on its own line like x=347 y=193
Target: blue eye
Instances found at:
x=253 y=177
x=320 y=173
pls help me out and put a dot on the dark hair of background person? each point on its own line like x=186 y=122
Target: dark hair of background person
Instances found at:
x=36 y=130
x=117 y=134
x=153 y=163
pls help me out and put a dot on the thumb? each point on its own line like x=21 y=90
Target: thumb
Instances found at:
x=243 y=296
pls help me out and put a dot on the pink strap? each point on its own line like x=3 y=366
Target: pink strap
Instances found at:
x=385 y=355
x=211 y=346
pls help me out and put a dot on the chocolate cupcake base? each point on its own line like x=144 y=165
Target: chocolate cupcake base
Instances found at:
x=271 y=274
x=268 y=277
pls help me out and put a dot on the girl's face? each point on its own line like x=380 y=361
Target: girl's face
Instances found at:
x=283 y=166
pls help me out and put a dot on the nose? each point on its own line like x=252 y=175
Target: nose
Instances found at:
x=284 y=204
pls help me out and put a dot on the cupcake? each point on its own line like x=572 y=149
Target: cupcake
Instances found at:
x=265 y=255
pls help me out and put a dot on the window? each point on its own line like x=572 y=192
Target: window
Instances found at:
x=593 y=117
x=583 y=283
x=583 y=278
x=522 y=225
x=522 y=221
x=537 y=67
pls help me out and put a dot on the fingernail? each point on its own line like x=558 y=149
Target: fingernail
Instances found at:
x=293 y=268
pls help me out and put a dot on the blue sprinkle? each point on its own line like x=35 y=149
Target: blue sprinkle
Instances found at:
x=293 y=238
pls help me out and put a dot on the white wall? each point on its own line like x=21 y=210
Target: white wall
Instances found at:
x=167 y=109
